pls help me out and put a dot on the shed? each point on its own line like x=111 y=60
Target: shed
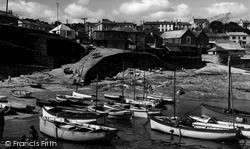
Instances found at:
x=64 y=31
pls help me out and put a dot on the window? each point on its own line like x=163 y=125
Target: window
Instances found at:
x=243 y=37
x=188 y=39
x=233 y=37
x=101 y=35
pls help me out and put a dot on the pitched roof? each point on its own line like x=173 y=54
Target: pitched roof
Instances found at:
x=218 y=35
x=61 y=27
x=228 y=45
x=173 y=34
x=183 y=23
x=158 y=22
x=125 y=29
x=200 y=20
x=197 y=33
x=236 y=34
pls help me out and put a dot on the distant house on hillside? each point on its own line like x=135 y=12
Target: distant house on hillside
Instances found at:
x=199 y=23
x=135 y=40
x=224 y=47
x=219 y=36
x=64 y=31
x=244 y=24
x=179 y=37
x=239 y=37
x=106 y=25
x=182 y=25
x=202 y=41
x=35 y=24
x=8 y=18
x=110 y=39
x=161 y=26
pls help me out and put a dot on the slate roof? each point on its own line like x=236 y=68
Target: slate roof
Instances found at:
x=181 y=48
x=237 y=34
x=61 y=27
x=158 y=22
x=173 y=34
x=228 y=45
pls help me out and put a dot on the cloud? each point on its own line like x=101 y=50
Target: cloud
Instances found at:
x=225 y=7
x=180 y=11
x=152 y=10
x=83 y=2
x=138 y=7
x=33 y=10
x=77 y=12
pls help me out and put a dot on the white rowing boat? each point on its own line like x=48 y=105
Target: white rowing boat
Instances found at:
x=78 y=133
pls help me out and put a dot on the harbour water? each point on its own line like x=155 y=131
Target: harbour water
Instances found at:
x=136 y=134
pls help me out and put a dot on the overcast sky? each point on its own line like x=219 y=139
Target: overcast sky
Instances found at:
x=127 y=10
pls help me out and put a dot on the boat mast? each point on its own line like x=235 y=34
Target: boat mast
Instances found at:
x=174 y=91
x=144 y=85
x=96 y=92
x=134 y=84
x=122 y=79
x=229 y=84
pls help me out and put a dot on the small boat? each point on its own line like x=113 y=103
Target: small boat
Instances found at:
x=141 y=102
x=185 y=129
x=52 y=102
x=211 y=123
x=3 y=98
x=18 y=107
x=21 y=93
x=85 y=96
x=114 y=97
x=142 y=112
x=116 y=112
x=113 y=113
x=73 y=115
x=165 y=99
x=36 y=85
x=70 y=98
x=77 y=133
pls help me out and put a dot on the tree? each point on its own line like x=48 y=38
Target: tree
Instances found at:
x=216 y=26
x=232 y=27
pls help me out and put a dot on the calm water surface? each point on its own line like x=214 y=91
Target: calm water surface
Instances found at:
x=137 y=133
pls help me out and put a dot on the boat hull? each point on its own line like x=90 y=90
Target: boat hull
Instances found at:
x=21 y=93
x=75 y=94
x=49 y=128
x=113 y=97
x=92 y=120
x=143 y=112
x=220 y=114
x=206 y=134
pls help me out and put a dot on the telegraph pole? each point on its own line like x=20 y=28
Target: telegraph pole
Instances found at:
x=7 y=2
x=57 y=4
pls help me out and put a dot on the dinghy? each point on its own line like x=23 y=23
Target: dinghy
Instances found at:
x=113 y=113
x=3 y=98
x=76 y=94
x=21 y=93
x=17 y=107
x=73 y=116
x=114 y=97
x=77 y=133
